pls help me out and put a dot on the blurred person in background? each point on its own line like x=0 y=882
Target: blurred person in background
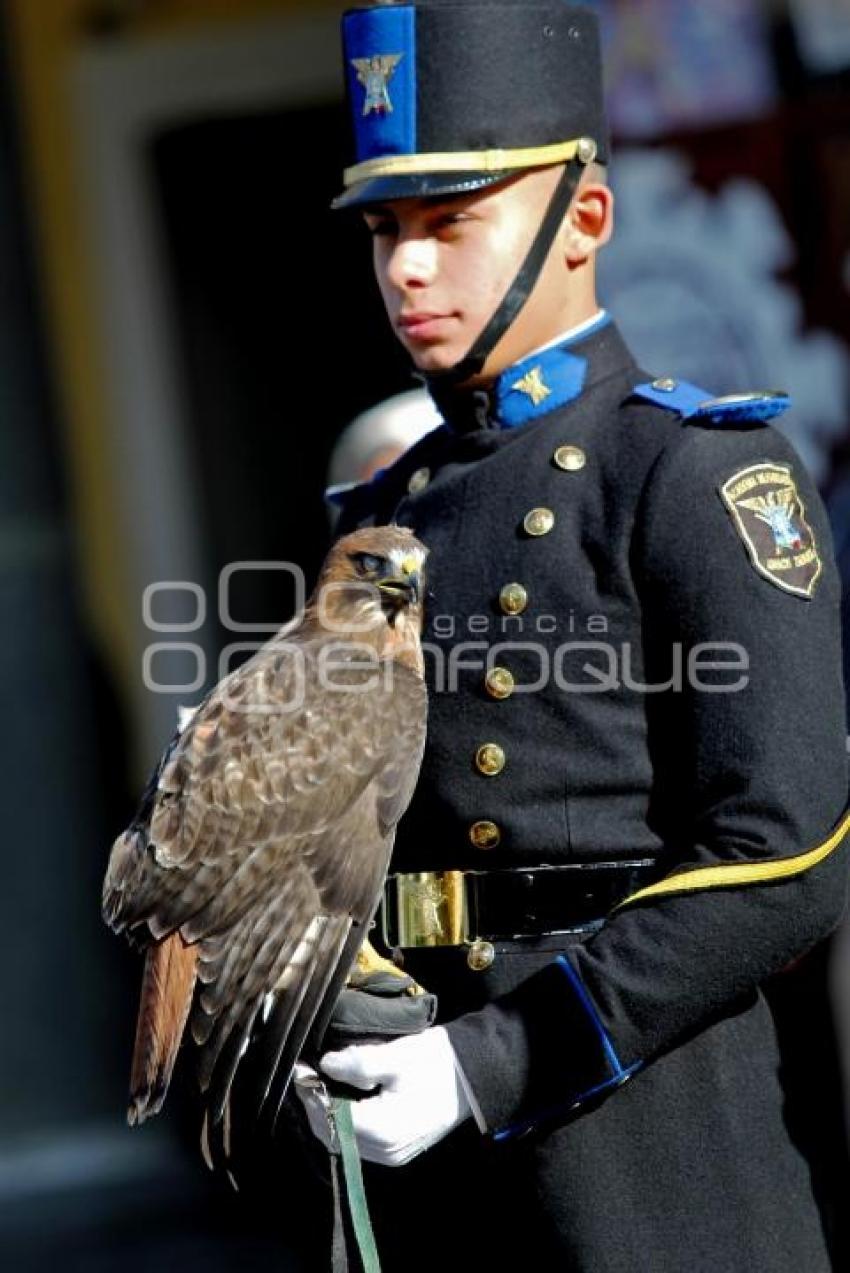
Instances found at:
x=376 y=439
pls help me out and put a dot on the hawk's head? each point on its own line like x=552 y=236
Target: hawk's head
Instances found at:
x=373 y=576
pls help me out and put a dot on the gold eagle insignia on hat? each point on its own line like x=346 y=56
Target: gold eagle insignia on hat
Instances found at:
x=375 y=73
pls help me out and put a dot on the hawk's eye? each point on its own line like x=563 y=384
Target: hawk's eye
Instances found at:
x=368 y=564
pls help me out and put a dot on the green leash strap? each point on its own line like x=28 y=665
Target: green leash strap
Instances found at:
x=355 y=1191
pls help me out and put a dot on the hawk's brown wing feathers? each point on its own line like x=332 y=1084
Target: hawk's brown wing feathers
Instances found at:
x=258 y=825
x=166 y=997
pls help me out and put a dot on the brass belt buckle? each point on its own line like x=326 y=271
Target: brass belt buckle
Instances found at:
x=426 y=909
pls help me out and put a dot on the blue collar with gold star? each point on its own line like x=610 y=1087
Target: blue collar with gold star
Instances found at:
x=542 y=382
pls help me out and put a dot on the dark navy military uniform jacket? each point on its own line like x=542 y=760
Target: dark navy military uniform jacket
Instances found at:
x=633 y=652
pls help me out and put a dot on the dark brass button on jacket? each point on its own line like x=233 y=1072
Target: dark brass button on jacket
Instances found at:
x=418 y=481
x=500 y=683
x=485 y=835
x=481 y=956
x=513 y=598
x=490 y=760
x=539 y=522
x=571 y=459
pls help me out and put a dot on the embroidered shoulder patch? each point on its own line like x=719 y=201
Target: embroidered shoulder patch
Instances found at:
x=768 y=513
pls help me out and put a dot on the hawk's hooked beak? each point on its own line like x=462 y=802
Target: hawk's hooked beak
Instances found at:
x=404 y=588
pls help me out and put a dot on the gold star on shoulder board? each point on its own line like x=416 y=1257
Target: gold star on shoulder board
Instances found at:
x=534 y=386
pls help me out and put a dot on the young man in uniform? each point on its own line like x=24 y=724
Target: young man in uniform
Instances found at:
x=631 y=812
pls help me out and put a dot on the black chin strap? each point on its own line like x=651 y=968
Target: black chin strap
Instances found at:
x=519 y=291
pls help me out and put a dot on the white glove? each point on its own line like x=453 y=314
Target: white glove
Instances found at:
x=418 y=1099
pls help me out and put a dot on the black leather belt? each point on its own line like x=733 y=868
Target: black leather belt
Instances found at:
x=457 y=908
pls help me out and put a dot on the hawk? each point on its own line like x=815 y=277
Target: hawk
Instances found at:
x=255 y=862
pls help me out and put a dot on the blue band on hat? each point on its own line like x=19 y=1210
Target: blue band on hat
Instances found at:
x=380 y=62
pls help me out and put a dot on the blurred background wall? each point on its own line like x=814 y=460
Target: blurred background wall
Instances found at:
x=186 y=329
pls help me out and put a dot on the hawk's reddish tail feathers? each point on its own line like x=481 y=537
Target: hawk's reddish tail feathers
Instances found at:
x=167 y=986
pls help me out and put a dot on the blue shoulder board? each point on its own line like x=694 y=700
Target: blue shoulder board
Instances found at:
x=693 y=403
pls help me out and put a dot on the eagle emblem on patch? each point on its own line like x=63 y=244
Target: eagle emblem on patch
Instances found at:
x=375 y=73
x=769 y=515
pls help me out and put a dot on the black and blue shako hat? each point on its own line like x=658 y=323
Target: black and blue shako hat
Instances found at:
x=450 y=96
x=453 y=95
